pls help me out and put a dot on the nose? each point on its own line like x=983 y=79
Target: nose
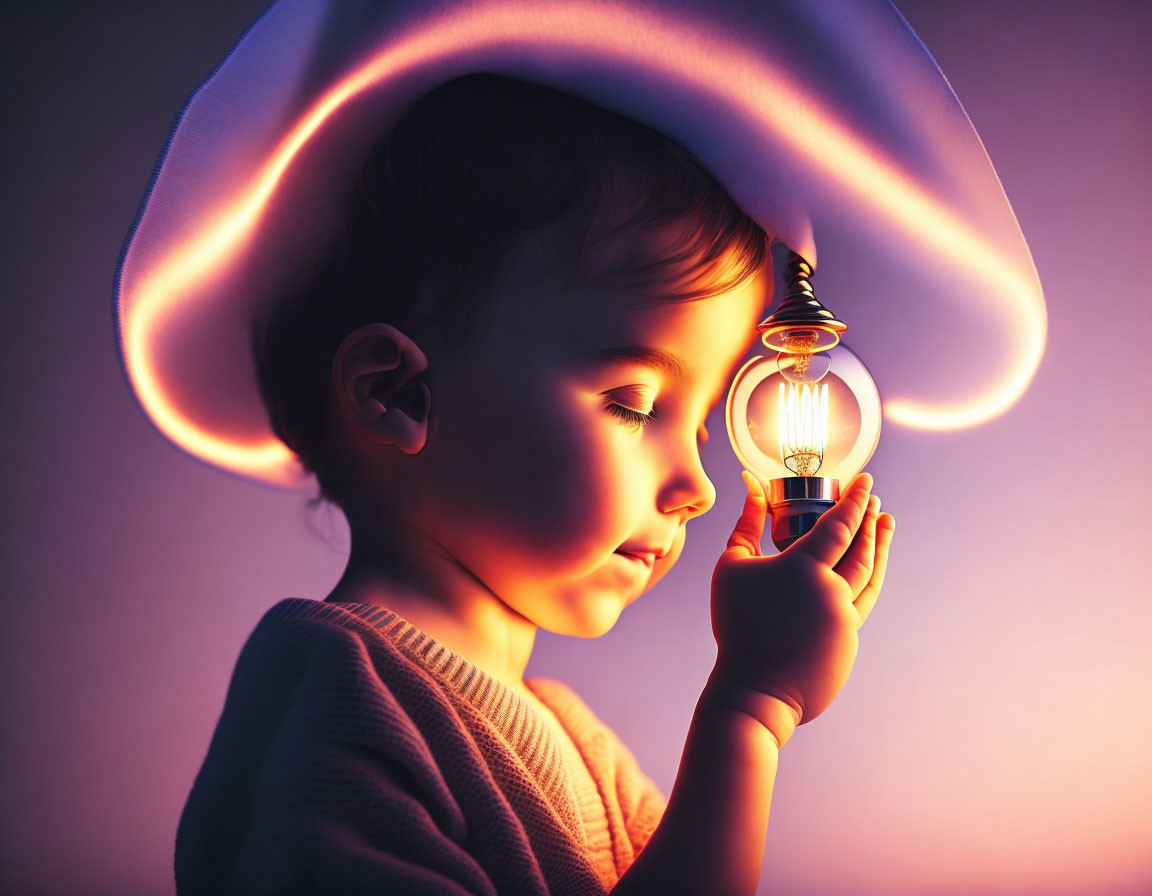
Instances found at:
x=687 y=488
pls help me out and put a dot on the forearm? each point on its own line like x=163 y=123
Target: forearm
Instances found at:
x=712 y=835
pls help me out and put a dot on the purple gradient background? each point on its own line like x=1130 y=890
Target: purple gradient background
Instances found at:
x=996 y=734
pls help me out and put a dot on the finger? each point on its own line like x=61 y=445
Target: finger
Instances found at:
x=833 y=533
x=745 y=539
x=855 y=567
x=885 y=526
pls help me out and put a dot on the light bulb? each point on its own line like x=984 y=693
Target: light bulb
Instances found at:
x=805 y=419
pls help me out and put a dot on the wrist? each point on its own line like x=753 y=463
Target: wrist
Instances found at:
x=778 y=714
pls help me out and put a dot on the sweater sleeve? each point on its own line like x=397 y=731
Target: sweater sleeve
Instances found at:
x=317 y=782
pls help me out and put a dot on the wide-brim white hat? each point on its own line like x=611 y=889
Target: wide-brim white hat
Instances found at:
x=807 y=111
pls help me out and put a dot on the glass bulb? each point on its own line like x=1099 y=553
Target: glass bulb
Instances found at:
x=786 y=421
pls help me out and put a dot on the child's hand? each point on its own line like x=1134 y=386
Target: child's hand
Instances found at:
x=786 y=625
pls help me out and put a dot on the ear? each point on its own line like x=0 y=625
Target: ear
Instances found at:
x=376 y=375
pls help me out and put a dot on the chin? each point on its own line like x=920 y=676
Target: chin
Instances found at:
x=594 y=616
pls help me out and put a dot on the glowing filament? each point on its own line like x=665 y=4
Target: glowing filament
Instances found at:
x=803 y=426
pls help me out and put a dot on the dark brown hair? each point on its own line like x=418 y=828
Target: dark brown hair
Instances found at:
x=439 y=203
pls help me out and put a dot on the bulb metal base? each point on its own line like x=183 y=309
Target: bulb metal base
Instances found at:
x=796 y=502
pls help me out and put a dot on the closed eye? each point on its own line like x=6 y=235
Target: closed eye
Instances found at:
x=636 y=419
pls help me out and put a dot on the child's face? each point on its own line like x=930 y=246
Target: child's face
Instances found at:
x=534 y=478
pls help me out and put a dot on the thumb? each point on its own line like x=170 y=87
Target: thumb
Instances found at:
x=745 y=540
x=832 y=535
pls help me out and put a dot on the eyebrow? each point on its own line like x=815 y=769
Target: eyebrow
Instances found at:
x=658 y=359
x=662 y=361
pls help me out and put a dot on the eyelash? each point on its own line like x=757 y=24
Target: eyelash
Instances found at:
x=635 y=418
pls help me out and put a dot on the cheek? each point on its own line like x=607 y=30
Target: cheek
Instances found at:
x=543 y=474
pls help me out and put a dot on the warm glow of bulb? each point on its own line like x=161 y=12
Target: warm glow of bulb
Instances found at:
x=803 y=427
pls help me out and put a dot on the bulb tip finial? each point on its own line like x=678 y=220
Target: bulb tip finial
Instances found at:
x=801 y=324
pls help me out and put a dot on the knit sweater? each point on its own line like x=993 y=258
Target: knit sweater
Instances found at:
x=355 y=754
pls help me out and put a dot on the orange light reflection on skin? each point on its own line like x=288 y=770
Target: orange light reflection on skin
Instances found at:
x=832 y=149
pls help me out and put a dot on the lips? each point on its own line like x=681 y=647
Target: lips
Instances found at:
x=641 y=550
x=644 y=559
x=647 y=556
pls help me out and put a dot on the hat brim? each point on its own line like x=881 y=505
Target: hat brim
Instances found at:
x=810 y=113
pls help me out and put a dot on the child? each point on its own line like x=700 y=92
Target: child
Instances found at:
x=501 y=377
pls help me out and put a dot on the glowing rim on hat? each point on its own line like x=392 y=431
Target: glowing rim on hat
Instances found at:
x=674 y=47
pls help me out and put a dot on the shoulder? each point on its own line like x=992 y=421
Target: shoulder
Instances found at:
x=299 y=640
x=321 y=655
x=317 y=697
x=299 y=619
x=299 y=636
x=324 y=766
x=314 y=678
